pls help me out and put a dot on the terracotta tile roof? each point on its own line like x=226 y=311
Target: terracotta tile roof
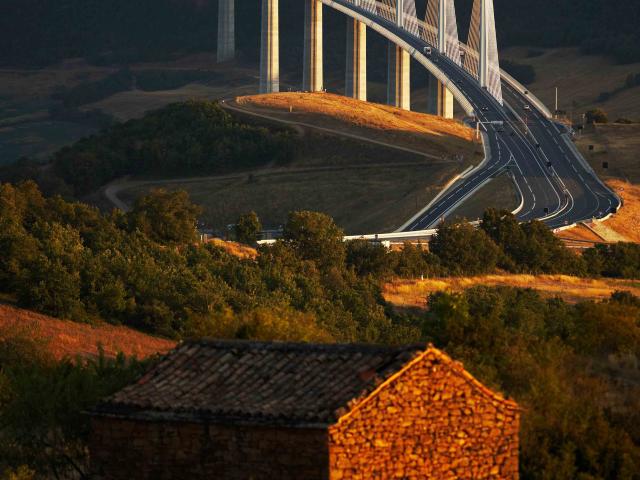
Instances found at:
x=258 y=382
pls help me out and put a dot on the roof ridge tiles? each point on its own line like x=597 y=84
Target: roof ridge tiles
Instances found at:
x=300 y=346
x=262 y=382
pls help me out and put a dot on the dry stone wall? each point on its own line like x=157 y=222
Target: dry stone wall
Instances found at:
x=434 y=421
x=125 y=449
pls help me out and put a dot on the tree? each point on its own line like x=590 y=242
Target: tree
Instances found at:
x=596 y=116
x=315 y=236
x=165 y=216
x=464 y=250
x=529 y=247
x=43 y=404
x=248 y=228
x=369 y=258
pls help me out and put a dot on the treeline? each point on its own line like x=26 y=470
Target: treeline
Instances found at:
x=143 y=269
x=70 y=260
x=191 y=138
x=596 y=26
x=567 y=365
x=125 y=79
x=35 y=33
x=502 y=243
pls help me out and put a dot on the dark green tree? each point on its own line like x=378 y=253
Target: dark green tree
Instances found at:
x=368 y=258
x=314 y=236
x=596 y=116
x=248 y=228
x=165 y=216
x=464 y=250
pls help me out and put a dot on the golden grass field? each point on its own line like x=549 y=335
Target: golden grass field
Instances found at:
x=423 y=132
x=580 y=80
x=414 y=293
x=234 y=248
x=63 y=338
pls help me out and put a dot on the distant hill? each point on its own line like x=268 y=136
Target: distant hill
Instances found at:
x=64 y=338
x=36 y=32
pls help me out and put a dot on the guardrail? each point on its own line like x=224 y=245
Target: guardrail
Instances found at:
x=522 y=89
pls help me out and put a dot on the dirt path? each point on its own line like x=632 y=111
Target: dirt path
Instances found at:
x=233 y=106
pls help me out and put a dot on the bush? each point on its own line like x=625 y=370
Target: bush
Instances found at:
x=530 y=247
x=248 y=228
x=620 y=260
x=596 y=116
x=464 y=250
x=42 y=412
x=543 y=353
x=166 y=217
x=603 y=97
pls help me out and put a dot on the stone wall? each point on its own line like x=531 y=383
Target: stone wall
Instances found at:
x=126 y=449
x=435 y=421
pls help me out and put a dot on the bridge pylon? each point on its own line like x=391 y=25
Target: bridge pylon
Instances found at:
x=226 y=47
x=356 y=68
x=270 y=48
x=441 y=28
x=439 y=99
x=312 y=76
x=481 y=59
x=398 y=77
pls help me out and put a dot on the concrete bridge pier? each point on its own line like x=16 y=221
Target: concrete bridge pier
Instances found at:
x=398 y=78
x=226 y=31
x=312 y=78
x=269 y=48
x=440 y=100
x=356 y=71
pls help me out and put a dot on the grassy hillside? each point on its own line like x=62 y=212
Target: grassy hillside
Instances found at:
x=581 y=80
x=67 y=339
x=415 y=293
x=364 y=186
x=619 y=145
x=426 y=133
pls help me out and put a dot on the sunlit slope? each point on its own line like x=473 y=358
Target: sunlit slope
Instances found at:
x=426 y=133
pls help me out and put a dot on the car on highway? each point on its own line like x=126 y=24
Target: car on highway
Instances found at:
x=485 y=109
x=527 y=107
x=427 y=51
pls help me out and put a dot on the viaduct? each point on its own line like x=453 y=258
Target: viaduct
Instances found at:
x=439 y=28
x=555 y=184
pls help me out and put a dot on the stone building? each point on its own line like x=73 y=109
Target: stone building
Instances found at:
x=252 y=410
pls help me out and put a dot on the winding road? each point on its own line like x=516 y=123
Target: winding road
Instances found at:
x=556 y=184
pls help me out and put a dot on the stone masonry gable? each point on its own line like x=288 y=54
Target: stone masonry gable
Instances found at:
x=431 y=419
x=258 y=383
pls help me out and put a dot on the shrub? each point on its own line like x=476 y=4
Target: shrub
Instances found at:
x=464 y=250
x=596 y=116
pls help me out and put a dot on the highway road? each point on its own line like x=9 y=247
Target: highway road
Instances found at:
x=555 y=183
